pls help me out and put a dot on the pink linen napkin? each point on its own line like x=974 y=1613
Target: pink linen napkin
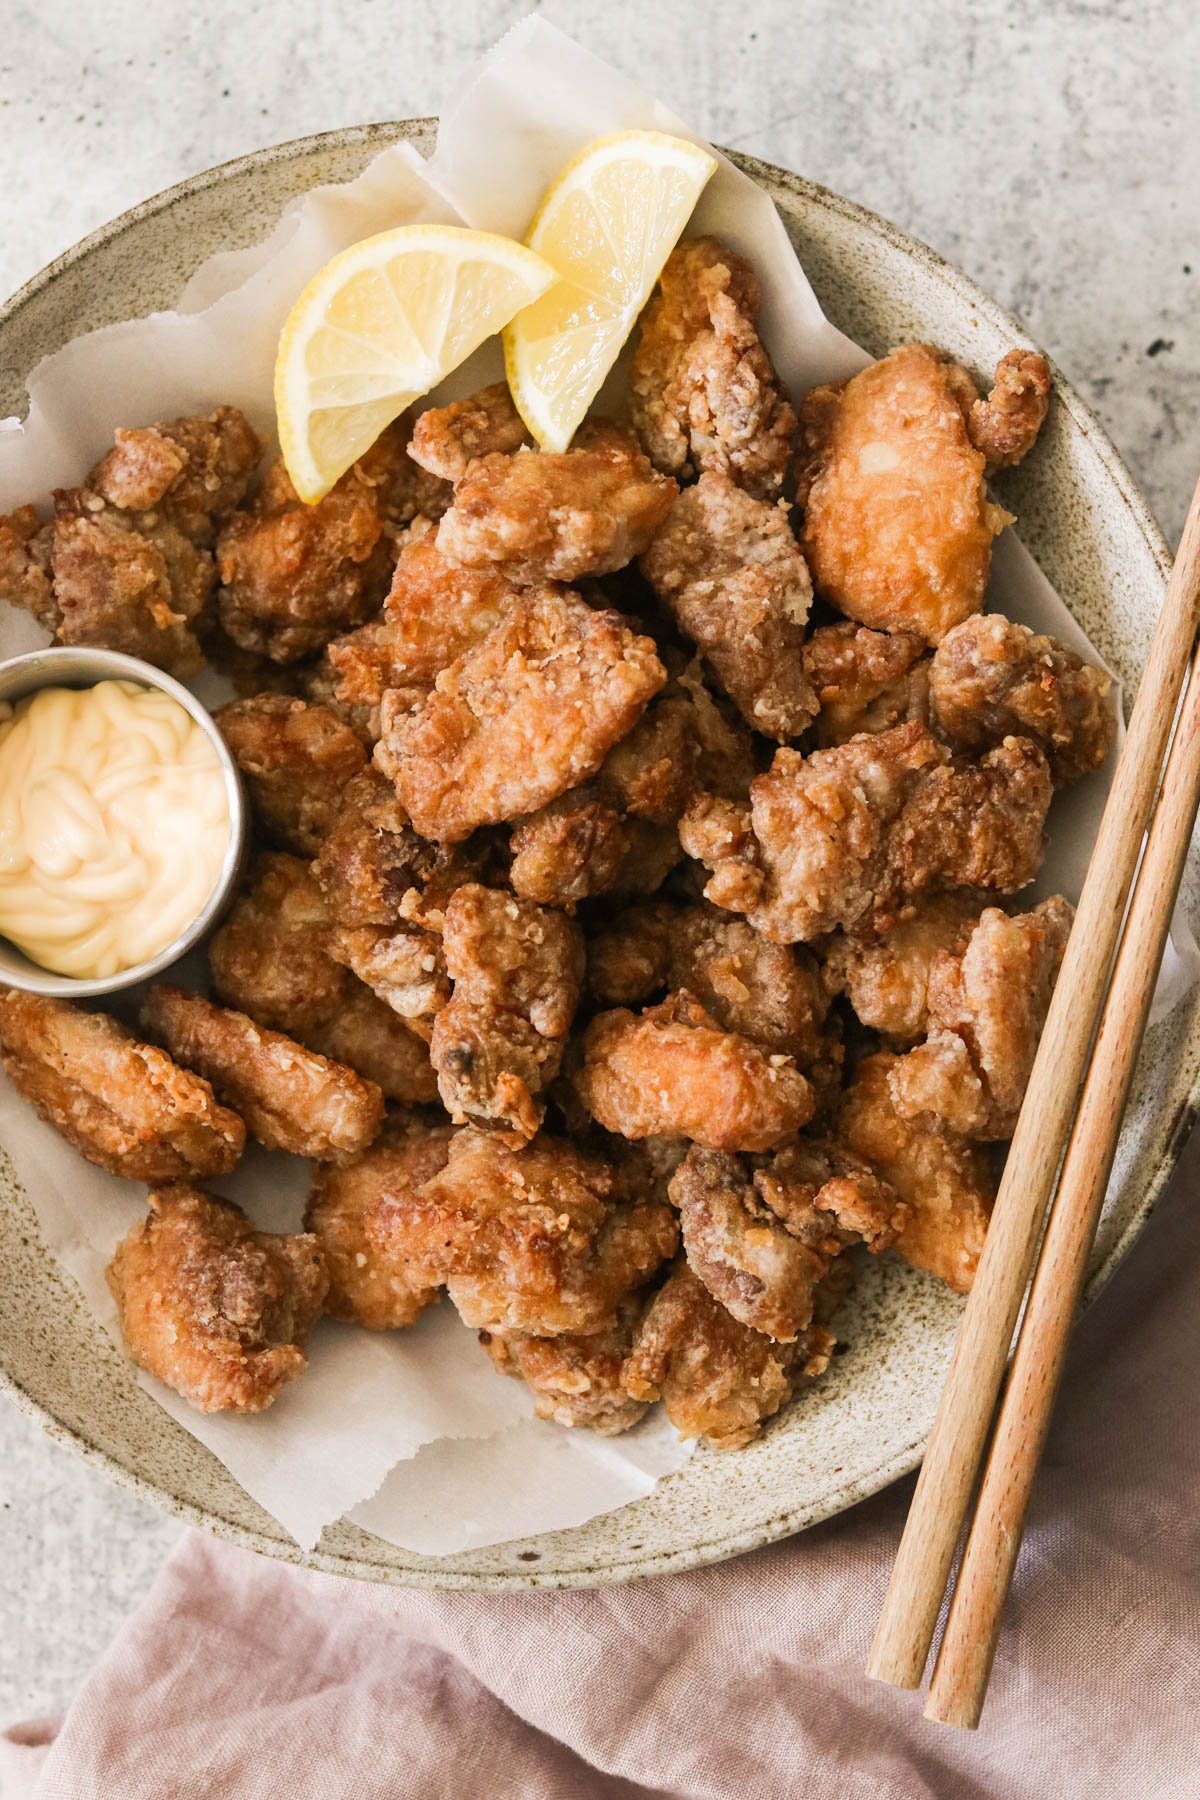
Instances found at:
x=243 y=1679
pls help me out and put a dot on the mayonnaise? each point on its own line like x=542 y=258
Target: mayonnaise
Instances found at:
x=114 y=823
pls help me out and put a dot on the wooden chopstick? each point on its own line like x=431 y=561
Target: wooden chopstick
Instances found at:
x=943 y=1492
x=968 y=1645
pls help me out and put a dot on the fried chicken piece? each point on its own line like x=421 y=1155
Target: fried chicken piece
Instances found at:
x=404 y=968
x=374 y=1041
x=445 y=439
x=672 y=1072
x=554 y=516
x=865 y=680
x=988 y=998
x=1004 y=427
x=575 y=1378
x=886 y=977
x=366 y=1285
x=772 y=993
x=945 y=1180
x=543 y=1240
x=193 y=472
x=525 y=714
x=212 y=1307
x=991 y=679
x=436 y=610
x=122 y=1104
x=517 y=970
x=295 y=576
x=761 y=1232
x=848 y=836
x=270 y=958
x=297 y=759
x=719 y=1379
x=704 y=395
x=373 y=869
x=897 y=526
x=26 y=580
x=729 y=570
x=291 y=1098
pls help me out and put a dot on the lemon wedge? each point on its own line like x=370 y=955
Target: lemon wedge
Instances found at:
x=607 y=226
x=378 y=327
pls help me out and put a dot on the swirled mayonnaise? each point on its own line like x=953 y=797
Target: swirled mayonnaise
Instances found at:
x=114 y=822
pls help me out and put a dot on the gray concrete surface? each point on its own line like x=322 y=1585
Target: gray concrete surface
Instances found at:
x=1047 y=146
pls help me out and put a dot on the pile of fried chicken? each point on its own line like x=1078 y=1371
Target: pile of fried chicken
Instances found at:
x=625 y=946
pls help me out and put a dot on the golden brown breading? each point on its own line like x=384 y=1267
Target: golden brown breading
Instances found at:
x=865 y=680
x=295 y=576
x=377 y=1044
x=761 y=1232
x=574 y=848
x=575 y=1379
x=544 y=1239
x=212 y=1307
x=445 y=439
x=772 y=993
x=270 y=958
x=436 y=610
x=291 y=1098
x=366 y=1285
x=897 y=526
x=122 y=1104
x=848 y=836
x=703 y=392
x=729 y=570
x=945 y=1180
x=988 y=998
x=25 y=575
x=886 y=978
x=1005 y=425
x=991 y=679
x=373 y=869
x=672 y=1072
x=405 y=969
x=192 y=471
x=297 y=759
x=517 y=969
x=528 y=712
x=718 y=1379
x=554 y=516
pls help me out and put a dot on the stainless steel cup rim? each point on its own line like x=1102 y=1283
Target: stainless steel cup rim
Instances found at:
x=78 y=666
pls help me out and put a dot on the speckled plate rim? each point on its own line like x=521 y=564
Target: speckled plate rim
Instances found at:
x=900 y=1462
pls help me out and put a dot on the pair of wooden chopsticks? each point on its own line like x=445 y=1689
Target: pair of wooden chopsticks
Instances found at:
x=1089 y=1013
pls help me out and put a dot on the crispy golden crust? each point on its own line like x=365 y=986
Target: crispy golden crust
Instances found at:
x=212 y=1307
x=528 y=712
x=865 y=680
x=541 y=1240
x=25 y=578
x=370 y=1038
x=719 y=1379
x=991 y=679
x=193 y=472
x=772 y=993
x=672 y=1072
x=945 y=1181
x=848 y=837
x=1004 y=427
x=122 y=1104
x=446 y=439
x=404 y=968
x=729 y=570
x=886 y=978
x=545 y=516
x=271 y=958
x=297 y=759
x=373 y=869
x=366 y=1285
x=575 y=1379
x=897 y=527
x=435 y=610
x=517 y=969
x=988 y=999
x=704 y=395
x=291 y=1098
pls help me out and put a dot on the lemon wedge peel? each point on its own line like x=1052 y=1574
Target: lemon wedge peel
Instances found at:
x=381 y=324
x=626 y=200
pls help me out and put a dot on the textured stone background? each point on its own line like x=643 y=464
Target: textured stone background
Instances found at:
x=1046 y=146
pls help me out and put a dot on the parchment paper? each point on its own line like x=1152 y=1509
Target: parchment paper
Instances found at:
x=411 y=1433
